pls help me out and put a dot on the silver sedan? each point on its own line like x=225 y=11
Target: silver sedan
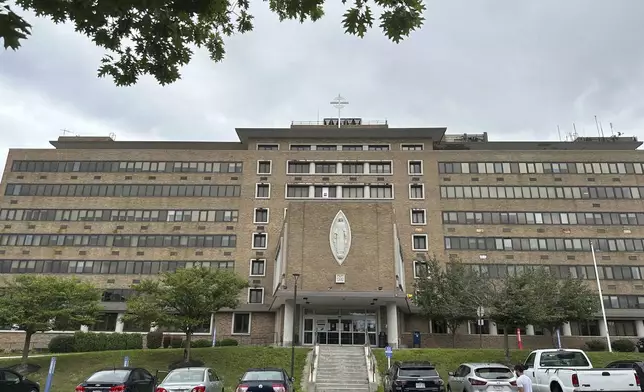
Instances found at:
x=482 y=377
x=193 y=379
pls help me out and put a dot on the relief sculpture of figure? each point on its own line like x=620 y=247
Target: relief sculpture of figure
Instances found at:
x=340 y=237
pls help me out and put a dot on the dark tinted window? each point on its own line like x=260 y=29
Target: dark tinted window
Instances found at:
x=263 y=375
x=109 y=376
x=563 y=359
x=417 y=372
x=494 y=373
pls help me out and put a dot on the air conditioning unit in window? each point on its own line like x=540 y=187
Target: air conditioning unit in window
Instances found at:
x=325 y=192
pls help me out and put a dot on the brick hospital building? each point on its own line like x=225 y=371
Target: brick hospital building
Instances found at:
x=354 y=210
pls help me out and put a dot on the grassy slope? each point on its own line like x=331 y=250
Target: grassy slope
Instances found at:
x=447 y=360
x=229 y=363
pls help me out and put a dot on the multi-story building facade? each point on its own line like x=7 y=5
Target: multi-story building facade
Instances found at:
x=353 y=212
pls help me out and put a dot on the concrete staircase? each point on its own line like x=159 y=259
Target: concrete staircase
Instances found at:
x=341 y=369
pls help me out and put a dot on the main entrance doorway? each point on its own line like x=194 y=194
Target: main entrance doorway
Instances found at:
x=340 y=327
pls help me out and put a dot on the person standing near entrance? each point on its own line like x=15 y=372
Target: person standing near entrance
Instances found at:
x=523 y=382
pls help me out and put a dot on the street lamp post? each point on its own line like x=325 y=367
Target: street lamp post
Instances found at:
x=601 y=297
x=295 y=277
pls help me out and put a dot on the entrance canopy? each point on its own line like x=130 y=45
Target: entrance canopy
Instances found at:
x=339 y=299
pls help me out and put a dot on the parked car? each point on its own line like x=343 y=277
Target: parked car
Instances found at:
x=266 y=380
x=124 y=379
x=558 y=370
x=491 y=377
x=413 y=376
x=12 y=381
x=191 y=379
x=623 y=364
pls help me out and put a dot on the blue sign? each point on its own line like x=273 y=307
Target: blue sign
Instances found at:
x=126 y=361
x=389 y=352
x=50 y=375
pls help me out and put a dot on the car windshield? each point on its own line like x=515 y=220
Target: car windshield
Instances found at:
x=494 y=373
x=263 y=375
x=417 y=372
x=185 y=375
x=109 y=376
x=563 y=359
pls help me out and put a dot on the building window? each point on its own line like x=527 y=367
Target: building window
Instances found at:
x=381 y=192
x=272 y=147
x=418 y=217
x=352 y=168
x=420 y=269
x=416 y=191
x=411 y=147
x=241 y=323
x=258 y=267
x=256 y=295
x=325 y=192
x=263 y=167
x=297 y=191
x=352 y=147
x=419 y=242
x=326 y=168
x=415 y=167
x=378 y=147
x=261 y=215
x=622 y=328
x=298 y=168
x=380 y=168
x=260 y=240
x=263 y=191
x=585 y=328
x=352 y=192
x=326 y=148
x=300 y=147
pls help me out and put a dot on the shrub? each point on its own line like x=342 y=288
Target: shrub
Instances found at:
x=166 y=340
x=176 y=342
x=200 y=343
x=596 y=345
x=154 y=339
x=88 y=341
x=227 y=342
x=183 y=364
x=61 y=344
x=623 y=345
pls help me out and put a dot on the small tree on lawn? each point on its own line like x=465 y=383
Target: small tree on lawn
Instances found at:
x=184 y=299
x=451 y=295
x=563 y=300
x=35 y=303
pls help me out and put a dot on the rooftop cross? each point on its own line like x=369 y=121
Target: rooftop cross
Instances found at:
x=339 y=103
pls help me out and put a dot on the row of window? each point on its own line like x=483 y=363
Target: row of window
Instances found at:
x=541 y=168
x=255 y=295
x=542 y=218
x=126 y=167
x=340 y=147
x=119 y=215
x=122 y=190
x=119 y=241
x=606 y=272
x=541 y=192
x=344 y=191
x=545 y=244
x=105 y=267
x=300 y=167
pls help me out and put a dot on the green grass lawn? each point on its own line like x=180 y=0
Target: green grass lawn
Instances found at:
x=228 y=362
x=447 y=360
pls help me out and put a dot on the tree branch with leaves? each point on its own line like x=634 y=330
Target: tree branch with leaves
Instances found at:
x=39 y=303
x=154 y=37
x=185 y=299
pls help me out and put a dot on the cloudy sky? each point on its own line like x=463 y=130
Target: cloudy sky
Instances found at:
x=514 y=69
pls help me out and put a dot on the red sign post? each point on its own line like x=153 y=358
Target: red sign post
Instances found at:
x=519 y=342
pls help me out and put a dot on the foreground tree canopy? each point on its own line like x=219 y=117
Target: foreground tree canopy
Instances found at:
x=154 y=36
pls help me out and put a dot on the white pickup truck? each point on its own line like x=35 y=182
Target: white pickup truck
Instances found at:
x=571 y=371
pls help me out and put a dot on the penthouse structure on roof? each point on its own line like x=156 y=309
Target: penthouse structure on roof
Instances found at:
x=354 y=207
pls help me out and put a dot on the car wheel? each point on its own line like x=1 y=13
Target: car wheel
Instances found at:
x=33 y=390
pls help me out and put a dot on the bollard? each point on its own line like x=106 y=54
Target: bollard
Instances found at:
x=50 y=375
x=126 y=361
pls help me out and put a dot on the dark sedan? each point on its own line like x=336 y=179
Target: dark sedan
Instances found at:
x=11 y=381
x=123 y=379
x=265 y=380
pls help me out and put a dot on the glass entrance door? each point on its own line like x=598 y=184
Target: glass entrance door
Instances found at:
x=351 y=328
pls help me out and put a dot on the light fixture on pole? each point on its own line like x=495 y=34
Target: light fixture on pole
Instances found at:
x=295 y=277
x=601 y=297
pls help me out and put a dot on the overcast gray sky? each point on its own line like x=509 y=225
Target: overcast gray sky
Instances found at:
x=514 y=69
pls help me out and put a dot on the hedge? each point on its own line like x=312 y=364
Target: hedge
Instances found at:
x=89 y=341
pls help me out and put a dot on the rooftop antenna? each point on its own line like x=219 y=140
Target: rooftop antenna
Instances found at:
x=612 y=132
x=112 y=136
x=65 y=132
x=574 y=133
x=559 y=132
x=339 y=103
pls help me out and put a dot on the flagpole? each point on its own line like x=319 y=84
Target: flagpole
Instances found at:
x=601 y=297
